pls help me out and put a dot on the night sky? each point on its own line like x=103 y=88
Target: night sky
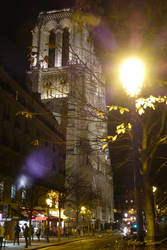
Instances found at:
x=16 y=22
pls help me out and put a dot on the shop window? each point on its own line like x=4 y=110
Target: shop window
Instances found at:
x=1 y=190
x=13 y=193
x=23 y=195
x=51 y=58
x=65 y=47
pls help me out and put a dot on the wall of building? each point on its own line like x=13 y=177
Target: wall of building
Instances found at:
x=32 y=147
x=81 y=86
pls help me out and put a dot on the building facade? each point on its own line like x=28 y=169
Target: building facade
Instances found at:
x=67 y=75
x=31 y=151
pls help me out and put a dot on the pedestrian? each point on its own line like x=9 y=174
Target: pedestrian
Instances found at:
x=93 y=230
x=38 y=232
x=26 y=232
x=78 y=230
x=67 y=232
x=16 y=233
x=47 y=233
x=32 y=232
x=2 y=234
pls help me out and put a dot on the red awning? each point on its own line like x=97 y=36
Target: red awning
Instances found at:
x=39 y=218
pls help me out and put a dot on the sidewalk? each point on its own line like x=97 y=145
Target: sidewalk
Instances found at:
x=35 y=244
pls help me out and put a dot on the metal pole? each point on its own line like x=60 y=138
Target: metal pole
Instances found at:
x=47 y=226
x=59 y=227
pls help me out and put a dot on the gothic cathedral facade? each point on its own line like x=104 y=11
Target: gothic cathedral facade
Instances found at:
x=67 y=75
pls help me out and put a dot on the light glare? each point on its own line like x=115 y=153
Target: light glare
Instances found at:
x=126 y=215
x=154 y=189
x=49 y=202
x=22 y=181
x=132 y=75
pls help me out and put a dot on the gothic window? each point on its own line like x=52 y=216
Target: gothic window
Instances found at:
x=51 y=58
x=58 y=49
x=13 y=193
x=65 y=47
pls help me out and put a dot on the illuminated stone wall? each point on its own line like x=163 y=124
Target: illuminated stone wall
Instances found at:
x=74 y=92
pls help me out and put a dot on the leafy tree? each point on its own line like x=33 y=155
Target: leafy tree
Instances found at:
x=149 y=136
x=33 y=195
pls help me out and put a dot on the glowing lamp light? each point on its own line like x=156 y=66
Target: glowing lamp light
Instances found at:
x=154 y=189
x=126 y=215
x=132 y=75
x=49 y=202
x=83 y=209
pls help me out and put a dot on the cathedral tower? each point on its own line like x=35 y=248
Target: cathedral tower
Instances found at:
x=67 y=75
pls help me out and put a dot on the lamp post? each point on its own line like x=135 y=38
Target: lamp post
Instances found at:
x=49 y=203
x=83 y=211
x=60 y=201
x=88 y=216
x=132 y=76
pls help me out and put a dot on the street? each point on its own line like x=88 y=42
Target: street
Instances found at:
x=98 y=243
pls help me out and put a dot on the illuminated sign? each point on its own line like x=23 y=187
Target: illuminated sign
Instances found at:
x=56 y=213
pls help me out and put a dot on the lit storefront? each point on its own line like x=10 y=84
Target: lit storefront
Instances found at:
x=53 y=219
x=40 y=218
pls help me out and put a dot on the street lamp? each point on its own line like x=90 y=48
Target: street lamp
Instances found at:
x=86 y=215
x=132 y=75
x=83 y=211
x=49 y=204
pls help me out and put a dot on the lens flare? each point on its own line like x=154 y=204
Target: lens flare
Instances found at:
x=38 y=163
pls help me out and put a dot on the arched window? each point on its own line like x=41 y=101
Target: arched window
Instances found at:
x=51 y=58
x=65 y=47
